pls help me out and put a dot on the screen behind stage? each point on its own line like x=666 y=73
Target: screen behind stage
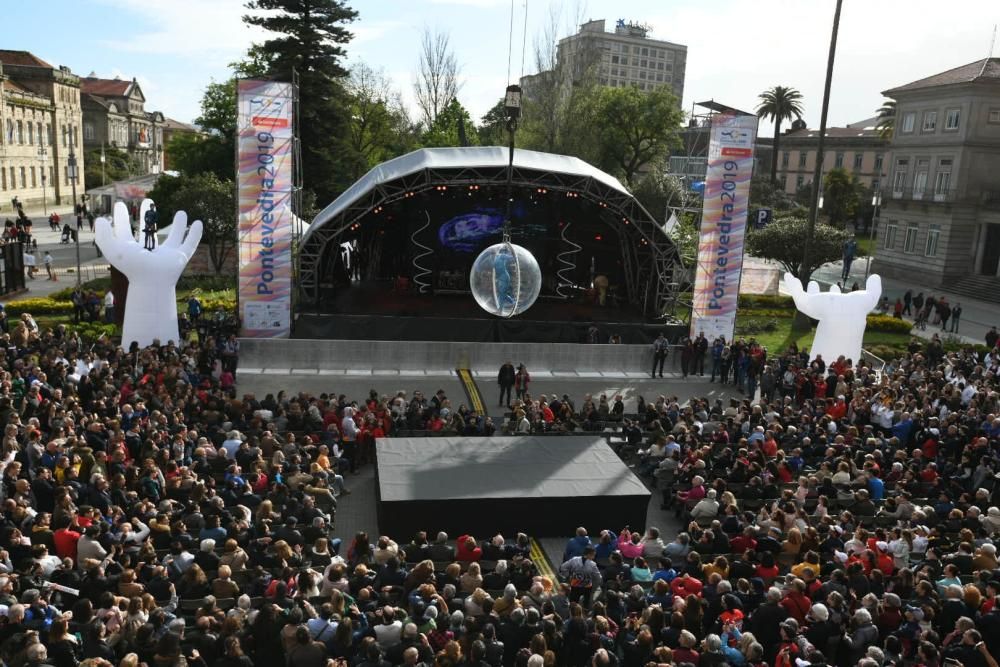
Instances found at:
x=543 y=486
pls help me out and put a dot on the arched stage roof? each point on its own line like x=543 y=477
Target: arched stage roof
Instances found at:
x=653 y=258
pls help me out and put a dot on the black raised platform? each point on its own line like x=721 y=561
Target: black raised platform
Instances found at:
x=543 y=486
x=373 y=310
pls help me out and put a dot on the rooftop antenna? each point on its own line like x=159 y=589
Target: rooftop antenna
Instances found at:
x=989 y=56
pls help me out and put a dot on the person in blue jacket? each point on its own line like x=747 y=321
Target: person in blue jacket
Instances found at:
x=577 y=544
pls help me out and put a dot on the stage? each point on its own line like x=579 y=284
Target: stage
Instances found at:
x=544 y=486
x=374 y=310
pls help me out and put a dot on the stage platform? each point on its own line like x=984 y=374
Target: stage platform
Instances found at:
x=373 y=311
x=543 y=486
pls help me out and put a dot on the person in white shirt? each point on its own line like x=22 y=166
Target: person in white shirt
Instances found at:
x=232 y=443
x=109 y=307
x=349 y=434
x=389 y=633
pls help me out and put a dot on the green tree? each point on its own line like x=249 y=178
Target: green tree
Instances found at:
x=841 y=196
x=309 y=43
x=657 y=190
x=765 y=193
x=886 y=124
x=197 y=154
x=492 y=128
x=453 y=127
x=779 y=104
x=203 y=197
x=782 y=240
x=380 y=128
x=118 y=166
x=635 y=128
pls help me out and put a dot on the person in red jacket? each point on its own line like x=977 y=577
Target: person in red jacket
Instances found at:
x=467 y=549
x=796 y=602
x=686 y=585
x=65 y=539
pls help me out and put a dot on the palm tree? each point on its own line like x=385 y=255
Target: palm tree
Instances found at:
x=780 y=104
x=886 y=119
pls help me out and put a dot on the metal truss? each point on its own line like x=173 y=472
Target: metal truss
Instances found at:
x=652 y=262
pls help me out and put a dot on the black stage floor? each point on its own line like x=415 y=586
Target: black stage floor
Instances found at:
x=544 y=486
x=374 y=311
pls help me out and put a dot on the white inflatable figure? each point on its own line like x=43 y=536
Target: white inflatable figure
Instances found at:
x=151 y=307
x=842 y=317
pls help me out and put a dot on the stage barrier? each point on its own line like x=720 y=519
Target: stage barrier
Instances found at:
x=309 y=356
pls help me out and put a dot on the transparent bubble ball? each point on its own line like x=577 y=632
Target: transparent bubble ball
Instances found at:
x=505 y=280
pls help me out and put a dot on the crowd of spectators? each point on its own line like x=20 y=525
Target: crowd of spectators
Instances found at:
x=150 y=515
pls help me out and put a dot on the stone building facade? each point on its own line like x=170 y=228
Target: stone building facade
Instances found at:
x=40 y=125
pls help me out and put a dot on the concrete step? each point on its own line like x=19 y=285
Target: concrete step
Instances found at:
x=984 y=288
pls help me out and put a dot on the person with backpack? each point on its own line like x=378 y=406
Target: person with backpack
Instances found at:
x=583 y=576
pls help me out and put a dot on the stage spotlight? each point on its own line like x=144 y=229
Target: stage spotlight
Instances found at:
x=598 y=237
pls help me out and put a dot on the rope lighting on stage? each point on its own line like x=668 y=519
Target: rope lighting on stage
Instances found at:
x=505 y=278
x=568 y=260
x=420 y=271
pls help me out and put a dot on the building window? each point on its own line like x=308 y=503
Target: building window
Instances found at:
x=3 y=179
x=930 y=121
x=859 y=159
x=52 y=175
x=899 y=178
x=785 y=155
x=65 y=133
x=838 y=160
x=875 y=184
x=20 y=132
x=951 y=118
x=994 y=116
x=48 y=134
x=24 y=178
x=890 y=236
x=920 y=178
x=942 y=181
x=31 y=133
x=910 y=240
x=802 y=159
x=878 y=162
x=13 y=180
x=799 y=180
x=645 y=51
x=931 y=245
x=34 y=183
x=10 y=131
x=909 y=120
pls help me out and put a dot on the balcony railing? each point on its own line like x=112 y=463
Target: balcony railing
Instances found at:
x=924 y=195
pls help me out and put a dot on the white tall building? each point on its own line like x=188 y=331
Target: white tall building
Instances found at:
x=627 y=56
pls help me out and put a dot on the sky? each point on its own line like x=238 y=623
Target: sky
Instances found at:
x=736 y=48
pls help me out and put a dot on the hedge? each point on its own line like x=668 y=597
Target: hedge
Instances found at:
x=91 y=331
x=887 y=324
x=765 y=301
x=39 y=306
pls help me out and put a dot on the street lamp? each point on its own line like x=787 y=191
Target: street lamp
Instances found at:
x=876 y=204
x=72 y=168
x=42 y=154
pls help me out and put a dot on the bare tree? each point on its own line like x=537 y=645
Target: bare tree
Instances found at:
x=436 y=82
x=549 y=104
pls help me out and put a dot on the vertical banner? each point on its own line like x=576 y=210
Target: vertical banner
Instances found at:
x=723 y=225
x=264 y=153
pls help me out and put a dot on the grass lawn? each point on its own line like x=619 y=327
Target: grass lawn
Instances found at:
x=866 y=245
x=777 y=341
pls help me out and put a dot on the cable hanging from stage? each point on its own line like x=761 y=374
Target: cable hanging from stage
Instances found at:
x=568 y=264
x=420 y=271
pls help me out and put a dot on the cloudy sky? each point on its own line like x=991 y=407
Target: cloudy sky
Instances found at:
x=736 y=48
